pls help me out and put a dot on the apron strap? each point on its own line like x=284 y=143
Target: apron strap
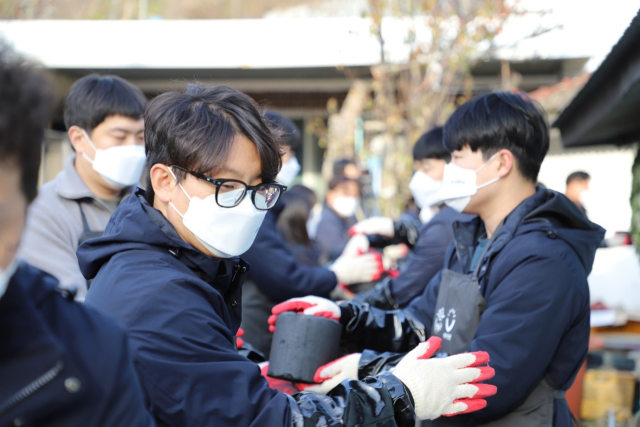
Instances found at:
x=486 y=248
x=559 y=394
x=85 y=223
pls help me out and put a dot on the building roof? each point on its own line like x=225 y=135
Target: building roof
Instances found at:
x=605 y=111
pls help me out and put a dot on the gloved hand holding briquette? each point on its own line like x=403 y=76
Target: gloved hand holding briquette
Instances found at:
x=439 y=386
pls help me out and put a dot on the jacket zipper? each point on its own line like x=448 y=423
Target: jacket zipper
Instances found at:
x=32 y=387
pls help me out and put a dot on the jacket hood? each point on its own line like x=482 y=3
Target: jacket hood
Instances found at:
x=136 y=225
x=562 y=219
x=546 y=211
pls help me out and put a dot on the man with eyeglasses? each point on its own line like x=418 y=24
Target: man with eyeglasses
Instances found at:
x=168 y=268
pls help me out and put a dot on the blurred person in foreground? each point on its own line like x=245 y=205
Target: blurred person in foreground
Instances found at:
x=276 y=274
x=427 y=257
x=168 y=267
x=514 y=279
x=577 y=189
x=61 y=364
x=103 y=116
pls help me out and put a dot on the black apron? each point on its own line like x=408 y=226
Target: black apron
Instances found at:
x=87 y=233
x=457 y=316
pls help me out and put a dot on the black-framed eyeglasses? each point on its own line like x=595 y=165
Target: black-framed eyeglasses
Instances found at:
x=230 y=192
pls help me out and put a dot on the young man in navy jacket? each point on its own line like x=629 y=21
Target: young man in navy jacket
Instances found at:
x=514 y=280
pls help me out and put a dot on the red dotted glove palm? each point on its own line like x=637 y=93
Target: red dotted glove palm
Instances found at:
x=310 y=305
x=275 y=383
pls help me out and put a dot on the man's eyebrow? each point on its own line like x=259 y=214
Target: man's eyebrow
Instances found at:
x=118 y=129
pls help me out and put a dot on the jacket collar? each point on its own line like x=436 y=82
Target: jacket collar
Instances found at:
x=69 y=184
x=466 y=234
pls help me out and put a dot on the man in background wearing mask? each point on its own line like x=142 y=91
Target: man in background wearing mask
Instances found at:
x=61 y=363
x=275 y=274
x=338 y=215
x=514 y=280
x=427 y=256
x=578 y=189
x=103 y=116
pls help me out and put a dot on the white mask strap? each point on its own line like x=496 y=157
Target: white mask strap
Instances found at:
x=179 y=185
x=492 y=180
x=95 y=150
x=487 y=162
x=183 y=190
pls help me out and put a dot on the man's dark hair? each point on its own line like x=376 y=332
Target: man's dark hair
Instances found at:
x=93 y=98
x=340 y=180
x=340 y=165
x=431 y=146
x=196 y=129
x=578 y=176
x=292 y=221
x=289 y=132
x=501 y=120
x=26 y=101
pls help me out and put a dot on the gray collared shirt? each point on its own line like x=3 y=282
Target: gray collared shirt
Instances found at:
x=54 y=226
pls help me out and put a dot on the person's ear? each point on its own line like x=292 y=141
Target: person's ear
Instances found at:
x=78 y=140
x=162 y=181
x=506 y=163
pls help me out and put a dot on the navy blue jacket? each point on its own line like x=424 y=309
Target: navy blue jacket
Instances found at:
x=182 y=309
x=534 y=278
x=275 y=270
x=70 y=363
x=332 y=234
x=427 y=256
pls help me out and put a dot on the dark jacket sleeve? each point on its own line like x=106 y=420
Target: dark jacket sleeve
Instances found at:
x=351 y=403
x=424 y=263
x=125 y=405
x=330 y=236
x=194 y=376
x=366 y=327
x=276 y=272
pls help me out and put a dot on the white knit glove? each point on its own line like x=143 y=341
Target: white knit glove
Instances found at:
x=333 y=373
x=310 y=305
x=357 y=245
x=445 y=386
x=374 y=225
x=351 y=269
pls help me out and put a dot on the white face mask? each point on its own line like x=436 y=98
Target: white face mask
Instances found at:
x=425 y=190
x=6 y=274
x=459 y=184
x=225 y=232
x=289 y=171
x=119 y=166
x=585 y=198
x=345 y=206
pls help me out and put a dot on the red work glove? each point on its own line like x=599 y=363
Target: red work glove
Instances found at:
x=445 y=386
x=239 y=341
x=277 y=384
x=314 y=306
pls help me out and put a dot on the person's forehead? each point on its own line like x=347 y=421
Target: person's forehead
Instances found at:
x=118 y=122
